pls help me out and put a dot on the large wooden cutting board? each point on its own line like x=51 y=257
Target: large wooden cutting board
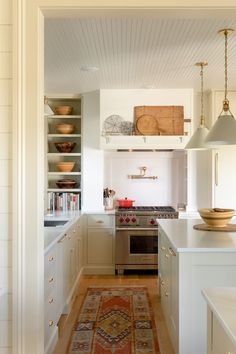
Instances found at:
x=159 y=120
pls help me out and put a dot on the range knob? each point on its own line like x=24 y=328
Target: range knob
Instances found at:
x=152 y=221
x=133 y=219
x=121 y=219
x=127 y=219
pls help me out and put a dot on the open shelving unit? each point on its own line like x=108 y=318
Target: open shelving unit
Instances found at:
x=63 y=198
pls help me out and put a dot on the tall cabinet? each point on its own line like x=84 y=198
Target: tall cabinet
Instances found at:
x=63 y=183
x=223 y=159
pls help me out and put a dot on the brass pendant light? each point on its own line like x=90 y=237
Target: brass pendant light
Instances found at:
x=197 y=141
x=223 y=131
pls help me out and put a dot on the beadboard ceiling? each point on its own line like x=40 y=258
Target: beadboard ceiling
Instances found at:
x=136 y=52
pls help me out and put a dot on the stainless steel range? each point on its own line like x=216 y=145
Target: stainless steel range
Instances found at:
x=137 y=236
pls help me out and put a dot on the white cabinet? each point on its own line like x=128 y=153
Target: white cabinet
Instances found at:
x=223 y=160
x=51 y=298
x=218 y=340
x=100 y=244
x=63 y=266
x=63 y=197
x=168 y=272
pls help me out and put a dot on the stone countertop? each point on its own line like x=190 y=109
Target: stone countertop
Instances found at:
x=222 y=302
x=184 y=238
x=53 y=234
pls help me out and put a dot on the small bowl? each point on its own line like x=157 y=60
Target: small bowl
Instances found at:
x=65 y=166
x=216 y=217
x=63 y=110
x=66 y=146
x=64 y=128
x=66 y=183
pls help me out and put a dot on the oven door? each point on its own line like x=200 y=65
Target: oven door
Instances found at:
x=136 y=247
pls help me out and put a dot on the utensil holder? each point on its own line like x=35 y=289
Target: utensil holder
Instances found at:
x=109 y=203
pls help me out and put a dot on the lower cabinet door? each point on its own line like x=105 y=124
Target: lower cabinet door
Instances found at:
x=100 y=246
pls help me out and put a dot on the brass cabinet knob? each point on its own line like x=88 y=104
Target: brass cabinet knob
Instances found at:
x=51 y=300
x=167 y=255
x=51 y=323
x=163 y=248
x=50 y=259
x=166 y=294
x=50 y=280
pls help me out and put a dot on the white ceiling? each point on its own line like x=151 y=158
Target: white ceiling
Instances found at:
x=136 y=52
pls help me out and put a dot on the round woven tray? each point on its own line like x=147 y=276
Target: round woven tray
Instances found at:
x=205 y=227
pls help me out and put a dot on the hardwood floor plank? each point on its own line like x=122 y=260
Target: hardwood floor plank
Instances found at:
x=66 y=323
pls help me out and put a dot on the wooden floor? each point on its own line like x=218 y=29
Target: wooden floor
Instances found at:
x=151 y=281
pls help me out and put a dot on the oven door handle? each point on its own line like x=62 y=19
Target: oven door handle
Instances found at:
x=136 y=228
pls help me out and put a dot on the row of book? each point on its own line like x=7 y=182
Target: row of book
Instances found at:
x=63 y=201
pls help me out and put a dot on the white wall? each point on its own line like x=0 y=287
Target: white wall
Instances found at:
x=5 y=176
x=92 y=156
x=168 y=189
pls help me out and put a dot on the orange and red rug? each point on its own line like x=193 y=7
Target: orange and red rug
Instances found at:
x=115 y=320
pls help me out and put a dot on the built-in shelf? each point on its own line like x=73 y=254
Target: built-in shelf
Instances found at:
x=64 y=154
x=63 y=190
x=64 y=117
x=64 y=173
x=64 y=135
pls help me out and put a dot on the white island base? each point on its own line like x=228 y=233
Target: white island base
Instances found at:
x=190 y=260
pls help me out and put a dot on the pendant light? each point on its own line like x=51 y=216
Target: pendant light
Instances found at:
x=197 y=141
x=47 y=109
x=223 y=131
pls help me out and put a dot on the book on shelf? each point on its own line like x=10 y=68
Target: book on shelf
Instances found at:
x=63 y=201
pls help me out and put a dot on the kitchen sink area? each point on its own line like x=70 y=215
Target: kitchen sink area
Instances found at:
x=54 y=223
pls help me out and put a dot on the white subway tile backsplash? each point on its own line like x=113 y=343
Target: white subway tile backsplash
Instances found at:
x=6 y=199
x=5 y=38
x=5 y=333
x=6 y=279
x=5 y=306
x=5 y=173
x=6 y=65
x=5 y=92
x=6 y=226
x=5 y=146
x=5 y=119
x=5 y=253
x=5 y=15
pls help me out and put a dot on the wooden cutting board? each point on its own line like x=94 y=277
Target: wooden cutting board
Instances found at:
x=205 y=227
x=159 y=120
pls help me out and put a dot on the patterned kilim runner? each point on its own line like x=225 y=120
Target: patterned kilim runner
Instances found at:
x=115 y=320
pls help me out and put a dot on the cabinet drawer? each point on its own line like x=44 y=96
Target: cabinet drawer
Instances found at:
x=100 y=220
x=221 y=343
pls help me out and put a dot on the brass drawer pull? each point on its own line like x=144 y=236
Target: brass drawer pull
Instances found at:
x=50 y=280
x=163 y=248
x=50 y=259
x=51 y=323
x=51 y=301
x=99 y=222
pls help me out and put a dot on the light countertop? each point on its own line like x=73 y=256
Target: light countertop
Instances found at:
x=222 y=301
x=53 y=234
x=186 y=239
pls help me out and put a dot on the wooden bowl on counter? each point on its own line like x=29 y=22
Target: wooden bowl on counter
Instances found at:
x=65 y=128
x=63 y=110
x=66 y=183
x=65 y=166
x=216 y=217
x=65 y=146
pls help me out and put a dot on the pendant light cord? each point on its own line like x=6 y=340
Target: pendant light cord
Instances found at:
x=202 y=120
x=226 y=101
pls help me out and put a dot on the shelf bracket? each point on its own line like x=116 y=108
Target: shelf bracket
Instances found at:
x=142 y=175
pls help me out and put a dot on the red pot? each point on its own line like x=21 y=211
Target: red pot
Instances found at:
x=125 y=203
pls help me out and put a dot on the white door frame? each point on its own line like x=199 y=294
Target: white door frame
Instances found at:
x=28 y=147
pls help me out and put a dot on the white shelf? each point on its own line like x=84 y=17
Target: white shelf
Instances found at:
x=64 y=173
x=64 y=135
x=64 y=190
x=64 y=116
x=156 y=142
x=64 y=154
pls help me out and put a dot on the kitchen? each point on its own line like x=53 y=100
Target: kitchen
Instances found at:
x=32 y=162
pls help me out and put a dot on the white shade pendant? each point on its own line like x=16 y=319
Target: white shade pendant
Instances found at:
x=223 y=131
x=197 y=141
x=47 y=109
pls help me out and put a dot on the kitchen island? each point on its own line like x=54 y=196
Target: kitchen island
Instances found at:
x=190 y=260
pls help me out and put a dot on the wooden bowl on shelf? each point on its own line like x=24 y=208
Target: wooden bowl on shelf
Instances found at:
x=65 y=146
x=66 y=183
x=63 y=110
x=65 y=166
x=216 y=217
x=64 y=128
